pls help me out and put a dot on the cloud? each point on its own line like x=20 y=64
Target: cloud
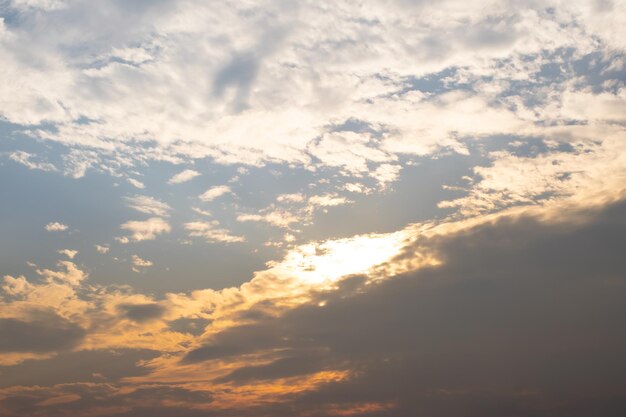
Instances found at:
x=102 y=248
x=68 y=252
x=277 y=218
x=69 y=274
x=386 y=173
x=507 y=301
x=56 y=227
x=183 y=176
x=291 y=198
x=148 y=205
x=327 y=200
x=147 y=229
x=215 y=192
x=43 y=332
x=135 y=183
x=516 y=311
x=26 y=159
x=331 y=331
x=140 y=263
x=141 y=312
x=212 y=232
x=386 y=98
x=16 y=285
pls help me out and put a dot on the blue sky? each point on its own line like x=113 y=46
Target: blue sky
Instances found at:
x=211 y=198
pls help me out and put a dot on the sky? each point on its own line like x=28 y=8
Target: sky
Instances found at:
x=308 y=208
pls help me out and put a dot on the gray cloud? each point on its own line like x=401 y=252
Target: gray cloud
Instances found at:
x=524 y=318
x=44 y=332
x=141 y=313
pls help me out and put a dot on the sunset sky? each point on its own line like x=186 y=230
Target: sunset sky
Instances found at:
x=398 y=208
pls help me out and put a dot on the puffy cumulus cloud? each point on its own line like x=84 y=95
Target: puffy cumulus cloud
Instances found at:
x=16 y=285
x=148 y=205
x=102 y=248
x=56 y=227
x=68 y=252
x=146 y=229
x=215 y=192
x=212 y=232
x=183 y=176
x=69 y=273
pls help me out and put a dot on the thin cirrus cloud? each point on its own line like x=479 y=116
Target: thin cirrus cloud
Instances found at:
x=410 y=208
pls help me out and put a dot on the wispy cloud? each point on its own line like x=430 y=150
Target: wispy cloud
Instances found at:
x=215 y=192
x=147 y=229
x=212 y=232
x=148 y=205
x=183 y=176
x=28 y=161
x=136 y=183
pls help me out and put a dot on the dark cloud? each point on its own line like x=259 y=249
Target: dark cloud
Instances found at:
x=524 y=318
x=41 y=332
x=73 y=367
x=106 y=399
x=141 y=313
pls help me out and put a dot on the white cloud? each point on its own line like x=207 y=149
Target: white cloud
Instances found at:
x=56 y=227
x=69 y=273
x=291 y=198
x=202 y=212
x=139 y=263
x=183 y=176
x=386 y=173
x=279 y=218
x=148 y=205
x=16 y=285
x=102 y=249
x=252 y=83
x=212 y=232
x=327 y=200
x=135 y=183
x=68 y=252
x=145 y=230
x=26 y=159
x=353 y=187
x=215 y=192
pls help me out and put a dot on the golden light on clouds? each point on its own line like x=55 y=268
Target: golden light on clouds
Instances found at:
x=312 y=209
